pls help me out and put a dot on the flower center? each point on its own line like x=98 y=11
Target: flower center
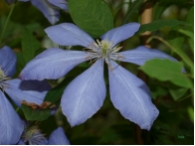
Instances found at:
x=105 y=50
x=3 y=78
x=33 y=136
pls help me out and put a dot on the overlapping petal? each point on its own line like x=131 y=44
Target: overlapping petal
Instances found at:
x=131 y=97
x=121 y=33
x=34 y=85
x=84 y=95
x=10 y=123
x=18 y=95
x=52 y=64
x=8 y=61
x=141 y=54
x=68 y=34
x=60 y=3
x=45 y=7
x=58 y=137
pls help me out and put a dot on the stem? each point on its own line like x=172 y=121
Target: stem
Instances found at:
x=179 y=52
x=146 y=17
x=4 y=28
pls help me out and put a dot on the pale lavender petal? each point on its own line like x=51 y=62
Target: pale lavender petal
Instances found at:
x=58 y=137
x=68 y=34
x=121 y=33
x=52 y=64
x=60 y=3
x=8 y=61
x=131 y=97
x=84 y=95
x=141 y=54
x=10 y=123
x=21 y=143
x=50 y=13
x=18 y=95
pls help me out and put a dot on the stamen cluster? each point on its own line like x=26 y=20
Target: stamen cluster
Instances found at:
x=105 y=50
x=33 y=136
x=3 y=78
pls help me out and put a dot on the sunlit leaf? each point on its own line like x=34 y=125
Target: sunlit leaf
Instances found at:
x=93 y=16
x=166 y=70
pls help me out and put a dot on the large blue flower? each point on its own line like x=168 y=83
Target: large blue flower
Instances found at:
x=84 y=96
x=33 y=136
x=10 y=123
x=49 y=8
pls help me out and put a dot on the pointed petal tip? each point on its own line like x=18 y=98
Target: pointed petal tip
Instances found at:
x=148 y=126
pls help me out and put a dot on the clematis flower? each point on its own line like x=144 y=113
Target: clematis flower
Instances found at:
x=33 y=136
x=49 y=8
x=10 y=123
x=84 y=96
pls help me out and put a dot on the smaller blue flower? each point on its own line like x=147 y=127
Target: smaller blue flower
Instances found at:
x=49 y=8
x=33 y=136
x=85 y=95
x=11 y=125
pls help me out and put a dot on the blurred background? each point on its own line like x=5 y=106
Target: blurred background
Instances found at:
x=175 y=123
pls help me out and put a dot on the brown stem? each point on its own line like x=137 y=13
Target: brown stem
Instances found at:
x=146 y=17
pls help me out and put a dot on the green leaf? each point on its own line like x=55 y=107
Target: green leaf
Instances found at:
x=166 y=70
x=175 y=38
x=54 y=95
x=159 y=91
x=177 y=93
x=11 y=32
x=35 y=115
x=190 y=34
x=155 y=25
x=191 y=113
x=93 y=16
x=29 y=45
x=132 y=9
x=190 y=19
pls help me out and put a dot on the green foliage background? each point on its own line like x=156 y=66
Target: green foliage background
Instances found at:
x=172 y=91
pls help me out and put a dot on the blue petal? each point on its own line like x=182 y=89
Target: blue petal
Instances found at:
x=131 y=97
x=21 y=143
x=121 y=33
x=60 y=3
x=10 y=123
x=58 y=137
x=68 y=34
x=141 y=54
x=50 y=13
x=84 y=95
x=18 y=95
x=8 y=61
x=52 y=64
